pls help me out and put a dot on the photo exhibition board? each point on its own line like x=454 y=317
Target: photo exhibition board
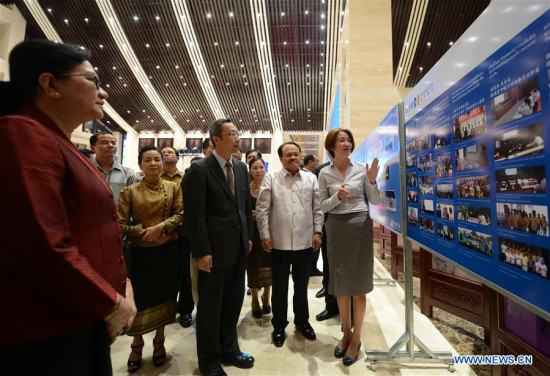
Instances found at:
x=383 y=143
x=476 y=167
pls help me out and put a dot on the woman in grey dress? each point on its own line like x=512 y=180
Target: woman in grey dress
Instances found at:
x=343 y=186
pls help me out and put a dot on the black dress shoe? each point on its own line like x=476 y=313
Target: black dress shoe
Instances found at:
x=257 y=314
x=243 y=360
x=278 y=337
x=186 y=320
x=248 y=292
x=325 y=315
x=215 y=372
x=307 y=331
x=321 y=293
x=316 y=273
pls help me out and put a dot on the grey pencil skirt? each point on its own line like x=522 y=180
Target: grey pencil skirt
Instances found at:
x=350 y=254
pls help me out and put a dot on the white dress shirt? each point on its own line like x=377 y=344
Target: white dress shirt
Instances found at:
x=357 y=183
x=222 y=162
x=288 y=210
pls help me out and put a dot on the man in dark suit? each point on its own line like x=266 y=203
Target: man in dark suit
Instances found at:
x=331 y=305
x=218 y=216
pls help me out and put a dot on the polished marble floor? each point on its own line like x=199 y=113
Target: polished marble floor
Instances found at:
x=384 y=324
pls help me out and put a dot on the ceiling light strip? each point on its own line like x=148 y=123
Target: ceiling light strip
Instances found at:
x=191 y=43
x=334 y=10
x=45 y=25
x=129 y=55
x=262 y=38
x=414 y=28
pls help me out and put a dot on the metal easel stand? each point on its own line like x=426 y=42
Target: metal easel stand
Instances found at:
x=408 y=339
x=378 y=279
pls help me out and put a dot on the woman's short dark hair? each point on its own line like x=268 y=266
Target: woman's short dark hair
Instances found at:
x=254 y=160
x=145 y=149
x=330 y=140
x=28 y=60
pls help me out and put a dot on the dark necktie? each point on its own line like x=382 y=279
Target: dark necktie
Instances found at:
x=230 y=178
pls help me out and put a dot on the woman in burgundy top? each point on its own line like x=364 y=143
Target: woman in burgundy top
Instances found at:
x=62 y=274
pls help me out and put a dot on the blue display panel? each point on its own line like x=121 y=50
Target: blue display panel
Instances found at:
x=383 y=143
x=476 y=165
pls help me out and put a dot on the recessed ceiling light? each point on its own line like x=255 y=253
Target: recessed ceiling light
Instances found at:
x=307 y=42
x=421 y=69
x=222 y=66
x=66 y=20
x=167 y=44
x=282 y=14
x=128 y=111
x=286 y=66
x=208 y=15
x=158 y=67
x=152 y=121
x=136 y=18
x=292 y=120
x=96 y=68
x=306 y=12
x=185 y=84
x=451 y=43
x=125 y=85
x=320 y=83
x=288 y=83
x=86 y=19
x=157 y=18
x=429 y=44
x=215 y=43
x=322 y=27
x=231 y=14
x=166 y=84
x=284 y=43
x=120 y=77
x=237 y=42
x=137 y=121
x=107 y=85
x=50 y=10
x=227 y=84
x=246 y=84
x=177 y=67
x=147 y=45
x=242 y=65
x=142 y=110
x=114 y=67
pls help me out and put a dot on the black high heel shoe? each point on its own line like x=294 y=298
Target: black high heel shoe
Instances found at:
x=348 y=361
x=339 y=353
x=265 y=308
x=134 y=365
x=158 y=360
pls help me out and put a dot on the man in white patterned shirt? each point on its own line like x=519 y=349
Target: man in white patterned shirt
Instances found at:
x=290 y=221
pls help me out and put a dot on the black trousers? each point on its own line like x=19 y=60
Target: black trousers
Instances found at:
x=221 y=297
x=331 y=304
x=85 y=352
x=185 y=298
x=280 y=268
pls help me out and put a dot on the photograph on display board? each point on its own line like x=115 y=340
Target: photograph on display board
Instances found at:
x=427 y=206
x=245 y=144
x=518 y=102
x=411 y=179
x=427 y=225
x=412 y=196
x=470 y=157
x=446 y=211
x=426 y=185
x=473 y=187
x=446 y=232
x=411 y=161
x=424 y=143
x=521 y=180
x=425 y=162
x=470 y=124
x=165 y=143
x=263 y=145
x=445 y=191
x=520 y=142
x=411 y=147
x=143 y=142
x=193 y=145
x=389 y=200
x=474 y=214
x=527 y=257
x=443 y=165
x=412 y=215
x=526 y=218
x=443 y=136
x=476 y=241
